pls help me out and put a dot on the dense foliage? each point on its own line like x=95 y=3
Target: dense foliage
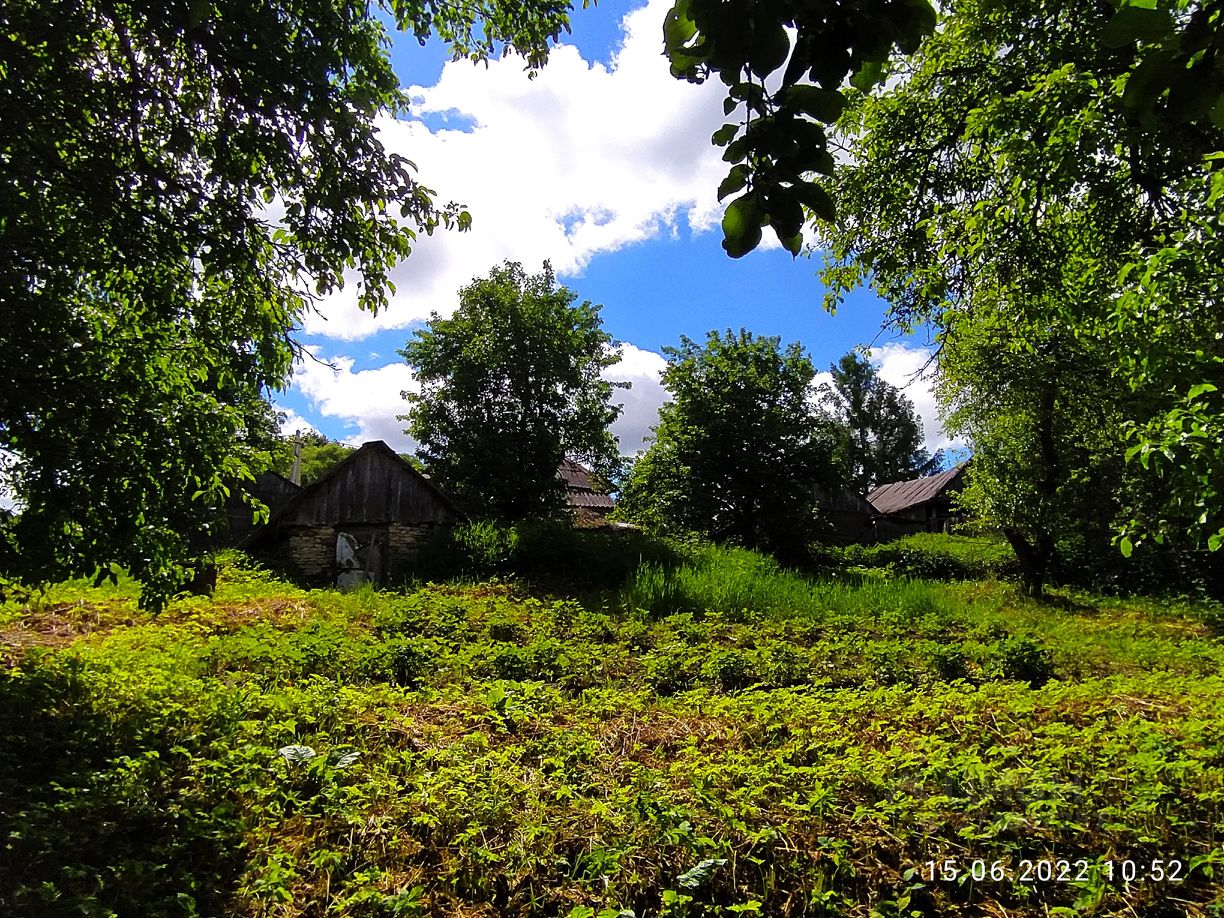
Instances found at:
x=721 y=738
x=1000 y=189
x=740 y=450
x=783 y=62
x=178 y=182
x=881 y=434
x=511 y=384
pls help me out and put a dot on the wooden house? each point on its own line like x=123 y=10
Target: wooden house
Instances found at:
x=361 y=522
x=919 y=505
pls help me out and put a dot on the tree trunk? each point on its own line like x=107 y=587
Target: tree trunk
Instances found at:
x=1034 y=559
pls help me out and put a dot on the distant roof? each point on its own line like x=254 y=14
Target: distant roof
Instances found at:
x=580 y=490
x=902 y=495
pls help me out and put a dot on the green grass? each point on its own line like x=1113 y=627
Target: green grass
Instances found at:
x=719 y=738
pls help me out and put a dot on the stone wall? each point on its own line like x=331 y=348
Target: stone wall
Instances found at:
x=310 y=552
x=405 y=540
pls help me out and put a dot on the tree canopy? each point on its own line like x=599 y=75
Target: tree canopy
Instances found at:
x=511 y=384
x=1005 y=191
x=178 y=183
x=740 y=449
x=881 y=435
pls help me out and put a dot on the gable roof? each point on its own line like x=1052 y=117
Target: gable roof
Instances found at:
x=580 y=490
x=372 y=448
x=904 y=495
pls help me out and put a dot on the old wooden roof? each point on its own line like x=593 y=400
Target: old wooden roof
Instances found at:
x=580 y=490
x=372 y=485
x=905 y=495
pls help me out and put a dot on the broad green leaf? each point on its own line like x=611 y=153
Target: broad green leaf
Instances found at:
x=770 y=46
x=822 y=104
x=1136 y=23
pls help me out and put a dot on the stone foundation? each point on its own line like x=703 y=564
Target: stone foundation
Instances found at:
x=309 y=552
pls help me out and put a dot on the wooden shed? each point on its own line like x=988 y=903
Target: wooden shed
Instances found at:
x=586 y=501
x=918 y=505
x=362 y=521
x=270 y=489
x=850 y=517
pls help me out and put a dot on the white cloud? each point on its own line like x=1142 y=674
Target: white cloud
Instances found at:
x=643 y=369
x=367 y=401
x=583 y=159
x=912 y=371
x=293 y=422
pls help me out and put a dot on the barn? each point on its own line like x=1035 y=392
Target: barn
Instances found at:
x=918 y=505
x=361 y=522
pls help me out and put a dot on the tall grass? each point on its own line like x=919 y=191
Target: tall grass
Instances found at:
x=738 y=584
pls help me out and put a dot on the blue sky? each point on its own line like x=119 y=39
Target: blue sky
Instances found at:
x=602 y=164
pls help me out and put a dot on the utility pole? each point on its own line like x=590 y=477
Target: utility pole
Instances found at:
x=296 y=475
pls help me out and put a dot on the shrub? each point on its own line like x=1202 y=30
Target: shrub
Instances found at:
x=1025 y=660
x=950 y=662
x=669 y=670
x=552 y=550
x=730 y=670
x=781 y=665
x=541 y=659
x=410 y=662
x=935 y=556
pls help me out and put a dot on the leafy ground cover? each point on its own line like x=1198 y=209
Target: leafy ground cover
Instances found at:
x=719 y=738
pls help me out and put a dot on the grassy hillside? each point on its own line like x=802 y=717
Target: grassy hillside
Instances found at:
x=720 y=738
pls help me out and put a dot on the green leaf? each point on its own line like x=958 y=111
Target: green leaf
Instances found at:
x=868 y=75
x=724 y=135
x=815 y=198
x=1136 y=23
x=736 y=179
x=1196 y=391
x=785 y=214
x=770 y=46
x=822 y=104
x=741 y=225
x=697 y=876
x=1127 y=546
x=737 y=152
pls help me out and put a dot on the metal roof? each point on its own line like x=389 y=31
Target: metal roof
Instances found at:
x=902 y=495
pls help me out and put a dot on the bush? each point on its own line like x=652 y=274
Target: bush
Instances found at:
x=934 y=556
x=730 y=670
x=552 y=550
x=669 y=670
x=1025 y=660
x=950 y=662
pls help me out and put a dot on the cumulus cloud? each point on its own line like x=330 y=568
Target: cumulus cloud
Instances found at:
x=643 y=370
x=367 y=402
x=585 y=158
x=293 y=422
x=910 y=369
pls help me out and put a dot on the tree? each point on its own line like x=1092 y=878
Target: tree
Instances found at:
x=999 y=190
x=740 y=450
x=320 y=454
x=780 y=139
x=881 y=433
x=510 y=385
x=1081 y=104
x=178 y=184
